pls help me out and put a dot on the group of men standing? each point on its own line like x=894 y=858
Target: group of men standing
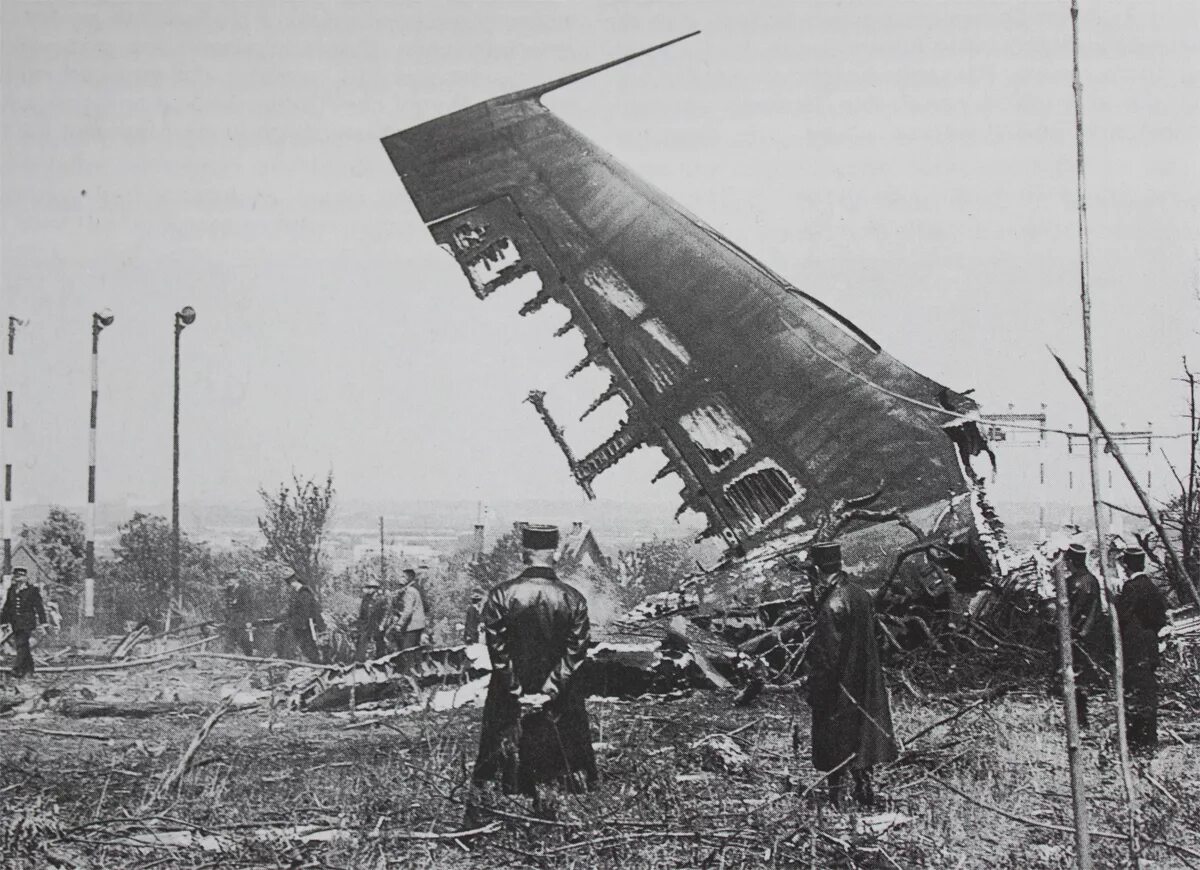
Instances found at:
x=1141 y=614
x=535 y=726
x=384 y=623
x=389 y=623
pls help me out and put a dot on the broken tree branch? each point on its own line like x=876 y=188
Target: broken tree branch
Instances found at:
x=994 y=695
x=269 y=661
x=1048 y=826
x=185 y=761
x=130 y=663
x=1183 y=579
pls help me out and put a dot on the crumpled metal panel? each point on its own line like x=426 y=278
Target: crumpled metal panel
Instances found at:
x=770 y=405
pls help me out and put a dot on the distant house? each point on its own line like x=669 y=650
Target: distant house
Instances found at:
x=578 y=550
x=23 y=557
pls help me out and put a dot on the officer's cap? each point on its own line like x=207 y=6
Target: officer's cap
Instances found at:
x=537 y=537
x=826 y=555
x=19 y=571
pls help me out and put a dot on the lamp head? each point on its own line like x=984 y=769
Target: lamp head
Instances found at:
x=103 y=318
x=186 y=315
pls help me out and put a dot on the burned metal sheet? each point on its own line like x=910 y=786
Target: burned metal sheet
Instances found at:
x=770 y=405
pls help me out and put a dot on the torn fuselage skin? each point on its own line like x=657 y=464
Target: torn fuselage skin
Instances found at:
x=769 y=405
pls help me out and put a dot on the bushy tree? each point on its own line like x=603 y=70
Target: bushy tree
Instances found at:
x=137 y=582
x=294 y=525
x=654 y=566
x=59 y=543
x=497 y=565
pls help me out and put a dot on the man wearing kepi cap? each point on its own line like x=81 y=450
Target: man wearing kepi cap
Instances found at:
x=1142 y=612
x=1088 y=629
x=24 y=613
x=304 y=618
x=851 y=716
x=535 y=723
x=369 y=642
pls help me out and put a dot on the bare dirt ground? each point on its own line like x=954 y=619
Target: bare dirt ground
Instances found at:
x=287 y=789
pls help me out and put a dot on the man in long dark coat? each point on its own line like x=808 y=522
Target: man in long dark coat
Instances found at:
x=851 y=716
x=24 y=612
x=1089 y=631
x=1141 y=611
x=372 y=611
x=238 y=626
x=304 y=619
x=535 y=723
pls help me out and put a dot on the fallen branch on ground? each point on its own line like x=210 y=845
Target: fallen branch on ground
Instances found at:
x=1107 y=835
x=131 y=663
x=201 y=735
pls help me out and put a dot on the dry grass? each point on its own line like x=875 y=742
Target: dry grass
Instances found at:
x=78 y=796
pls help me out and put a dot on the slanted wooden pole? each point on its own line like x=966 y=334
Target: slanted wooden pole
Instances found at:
x=1151 y=512
x=1085 y=301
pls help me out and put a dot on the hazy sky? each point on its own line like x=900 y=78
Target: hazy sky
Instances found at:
x=912 y=164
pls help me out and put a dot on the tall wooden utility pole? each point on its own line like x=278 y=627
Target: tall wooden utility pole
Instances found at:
x=1085 y=301
x=382 y=557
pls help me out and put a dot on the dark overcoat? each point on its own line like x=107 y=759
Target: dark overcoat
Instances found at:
x=23 y=608
x=846 y=689
x=537 y=635
x=1089 y=630
x=372 y=613
x=302 y=608
x=1141 y=611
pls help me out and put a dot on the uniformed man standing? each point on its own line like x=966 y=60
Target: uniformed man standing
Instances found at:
x=851 y=716
x=1142 y=612
x=24 y=613
x=471 y=619
x=1088 y=628
x=304 y=618
x=409 y=610
x=238 y=627
x=535 y=724
x=369 y=642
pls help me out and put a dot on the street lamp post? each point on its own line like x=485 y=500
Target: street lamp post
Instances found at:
x=100 y=319
x=183 y=317
x=6 y=505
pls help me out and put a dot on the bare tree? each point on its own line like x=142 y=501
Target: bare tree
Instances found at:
x=294 y=525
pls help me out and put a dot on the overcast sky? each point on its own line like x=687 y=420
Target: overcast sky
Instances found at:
x=912 y=164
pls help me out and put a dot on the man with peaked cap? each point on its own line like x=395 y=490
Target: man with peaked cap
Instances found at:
x=409 y=612
x=851 y=715
x=471 y=624
x=1141 y=612
x=304 y=618
x=369 y=641
x=535 y=724
x=1088 y=629
x=238 y=626
x=24 y=613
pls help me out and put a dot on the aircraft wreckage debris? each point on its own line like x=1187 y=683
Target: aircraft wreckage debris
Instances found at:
x=769 y=405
